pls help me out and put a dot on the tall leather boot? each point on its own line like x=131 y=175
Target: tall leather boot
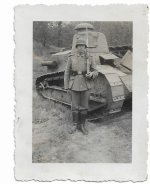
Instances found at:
x=83 y=129
x=75 y=118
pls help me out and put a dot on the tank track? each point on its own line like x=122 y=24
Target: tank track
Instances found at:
x=50 y=86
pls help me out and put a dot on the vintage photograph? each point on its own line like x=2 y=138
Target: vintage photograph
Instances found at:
x=82 y=92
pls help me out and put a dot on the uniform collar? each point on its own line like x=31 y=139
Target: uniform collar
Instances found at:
x=82 y=54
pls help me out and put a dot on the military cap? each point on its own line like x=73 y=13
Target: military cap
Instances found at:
x=81 y=42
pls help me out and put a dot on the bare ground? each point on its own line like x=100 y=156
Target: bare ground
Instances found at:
x=108 y=141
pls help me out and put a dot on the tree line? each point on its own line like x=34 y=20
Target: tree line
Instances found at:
x=61 y=33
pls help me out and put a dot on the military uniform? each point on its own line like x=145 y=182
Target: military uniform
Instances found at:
x=75 y=80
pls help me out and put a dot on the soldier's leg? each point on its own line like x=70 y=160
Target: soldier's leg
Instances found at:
x=83 y=111
x=83 y=115
x=84 y=102
x=75 y=100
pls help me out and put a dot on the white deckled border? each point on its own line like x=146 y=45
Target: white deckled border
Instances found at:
x=25 y=169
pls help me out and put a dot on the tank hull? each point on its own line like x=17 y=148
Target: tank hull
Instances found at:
x=109 y=90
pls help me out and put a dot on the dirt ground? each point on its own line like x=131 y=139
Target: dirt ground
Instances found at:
x=109 y=140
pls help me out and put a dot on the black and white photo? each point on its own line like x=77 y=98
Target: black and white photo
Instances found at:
x=81 y=93
x=83 y=69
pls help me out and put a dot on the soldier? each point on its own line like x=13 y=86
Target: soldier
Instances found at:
x=80 y=71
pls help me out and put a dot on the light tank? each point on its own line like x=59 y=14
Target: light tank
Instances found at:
x=111 y=88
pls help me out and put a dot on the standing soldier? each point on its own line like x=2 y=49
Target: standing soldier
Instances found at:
x=79 y=73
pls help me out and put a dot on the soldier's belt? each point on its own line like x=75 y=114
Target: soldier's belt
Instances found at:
x=74 y=73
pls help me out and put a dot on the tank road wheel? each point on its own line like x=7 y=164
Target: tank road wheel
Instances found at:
x=42 y=85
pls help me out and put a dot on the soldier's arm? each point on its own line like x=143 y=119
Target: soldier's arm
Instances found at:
x=93 y=64
x=93 y=67
x=67 y=74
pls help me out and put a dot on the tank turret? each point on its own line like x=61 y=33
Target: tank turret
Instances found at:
x=114 y=82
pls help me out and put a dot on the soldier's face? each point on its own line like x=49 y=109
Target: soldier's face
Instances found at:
x=81 y=48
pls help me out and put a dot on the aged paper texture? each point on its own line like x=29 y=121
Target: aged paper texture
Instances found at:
x=115 y=38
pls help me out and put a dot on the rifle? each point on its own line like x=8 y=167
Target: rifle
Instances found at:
x=89 y=74
x=87 y=53
x=87 y=43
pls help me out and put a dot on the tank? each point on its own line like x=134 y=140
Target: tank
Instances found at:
x=111 y=88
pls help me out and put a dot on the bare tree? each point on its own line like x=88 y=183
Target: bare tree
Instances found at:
x=41 y=32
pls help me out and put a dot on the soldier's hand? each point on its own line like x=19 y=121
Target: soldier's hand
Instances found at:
x=94 y=74
x=89 y=75
x=69 y=92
